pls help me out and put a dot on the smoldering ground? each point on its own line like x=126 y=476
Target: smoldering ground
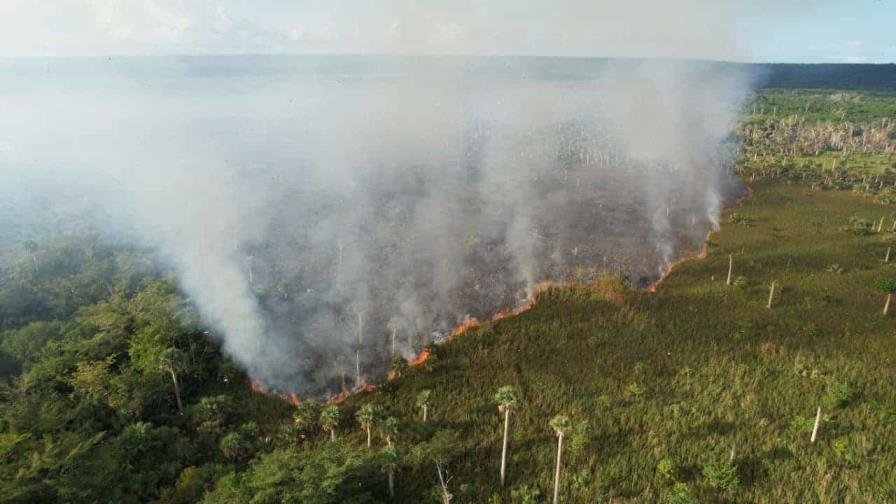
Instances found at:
x=325 y=212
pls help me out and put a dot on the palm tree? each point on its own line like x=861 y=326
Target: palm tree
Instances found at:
x=329 y=419
x=305 y=416
x=389 y=462
x=424 y=399
x=389 y=429
x=366 y=416
x=506 y=397
x=399 y=366
x=561 y=426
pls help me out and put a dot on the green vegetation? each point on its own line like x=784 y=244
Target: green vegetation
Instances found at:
x=695 y=393
x=112 y=392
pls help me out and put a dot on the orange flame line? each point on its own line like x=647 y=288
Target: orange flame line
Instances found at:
x=258 y=388
x=699 y=255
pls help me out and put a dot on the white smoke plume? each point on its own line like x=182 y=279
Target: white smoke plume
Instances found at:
x=312 y=206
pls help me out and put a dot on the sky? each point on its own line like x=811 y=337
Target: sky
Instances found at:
x=746 y=30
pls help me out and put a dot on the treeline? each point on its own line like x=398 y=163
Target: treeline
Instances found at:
x=864 y=77
x=112 y=391
x=828 y=140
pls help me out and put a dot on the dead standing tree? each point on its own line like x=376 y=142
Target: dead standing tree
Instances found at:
x=359 y=313
x=730 y=268
x=172 y=361
x=771 y=295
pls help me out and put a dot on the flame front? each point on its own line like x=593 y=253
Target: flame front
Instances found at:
x=258 y=388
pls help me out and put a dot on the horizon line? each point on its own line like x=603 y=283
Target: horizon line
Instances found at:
x=432 y=56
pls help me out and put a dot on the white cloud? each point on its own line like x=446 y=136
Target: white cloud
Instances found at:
x=671 y=28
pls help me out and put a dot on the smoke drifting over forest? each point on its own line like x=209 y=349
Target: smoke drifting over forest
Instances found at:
x=315 y=208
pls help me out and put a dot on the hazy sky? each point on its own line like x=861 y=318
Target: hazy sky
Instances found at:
x=751 y=30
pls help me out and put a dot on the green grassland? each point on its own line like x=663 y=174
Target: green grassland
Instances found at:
x=854 y=164
x=820 y=105
x=688 y=372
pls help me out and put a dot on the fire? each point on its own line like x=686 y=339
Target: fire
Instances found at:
x=342 y=396
x=291 y=398
x=420 y=358
x=258 y=388
x=472 y=323
x=703 y=250
x=468 y=323
x=673 y=264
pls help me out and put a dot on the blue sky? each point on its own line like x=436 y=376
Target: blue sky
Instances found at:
x=749 y=30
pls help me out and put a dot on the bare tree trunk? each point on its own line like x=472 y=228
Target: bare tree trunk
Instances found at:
x=180 y=405
x=504 y=448
x=887 y=259
x=368 y=436
x=817 y=422
x=424 y=413
x=357 y=368
x=446 y=495
x=771 y=295
x=332 y=434
x=887 y=305
x=391 y=483
x=557 y=470
x=730 y=268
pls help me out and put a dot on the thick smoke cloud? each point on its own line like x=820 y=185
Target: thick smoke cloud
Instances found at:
x=321 y=210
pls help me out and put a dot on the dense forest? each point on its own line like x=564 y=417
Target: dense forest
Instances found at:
x=762 y=373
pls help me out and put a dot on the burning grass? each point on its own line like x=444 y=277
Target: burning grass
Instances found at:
x=708 y=361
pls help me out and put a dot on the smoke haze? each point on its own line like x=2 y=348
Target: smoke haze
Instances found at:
x=316 y=208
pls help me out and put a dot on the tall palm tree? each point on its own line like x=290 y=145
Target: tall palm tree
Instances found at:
x=507 y=398
x=389 y=429
x=366 y=416
x=305 y=417
x=329 y=419
x=424 y=399
x=389 y=461
x=561 y=426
